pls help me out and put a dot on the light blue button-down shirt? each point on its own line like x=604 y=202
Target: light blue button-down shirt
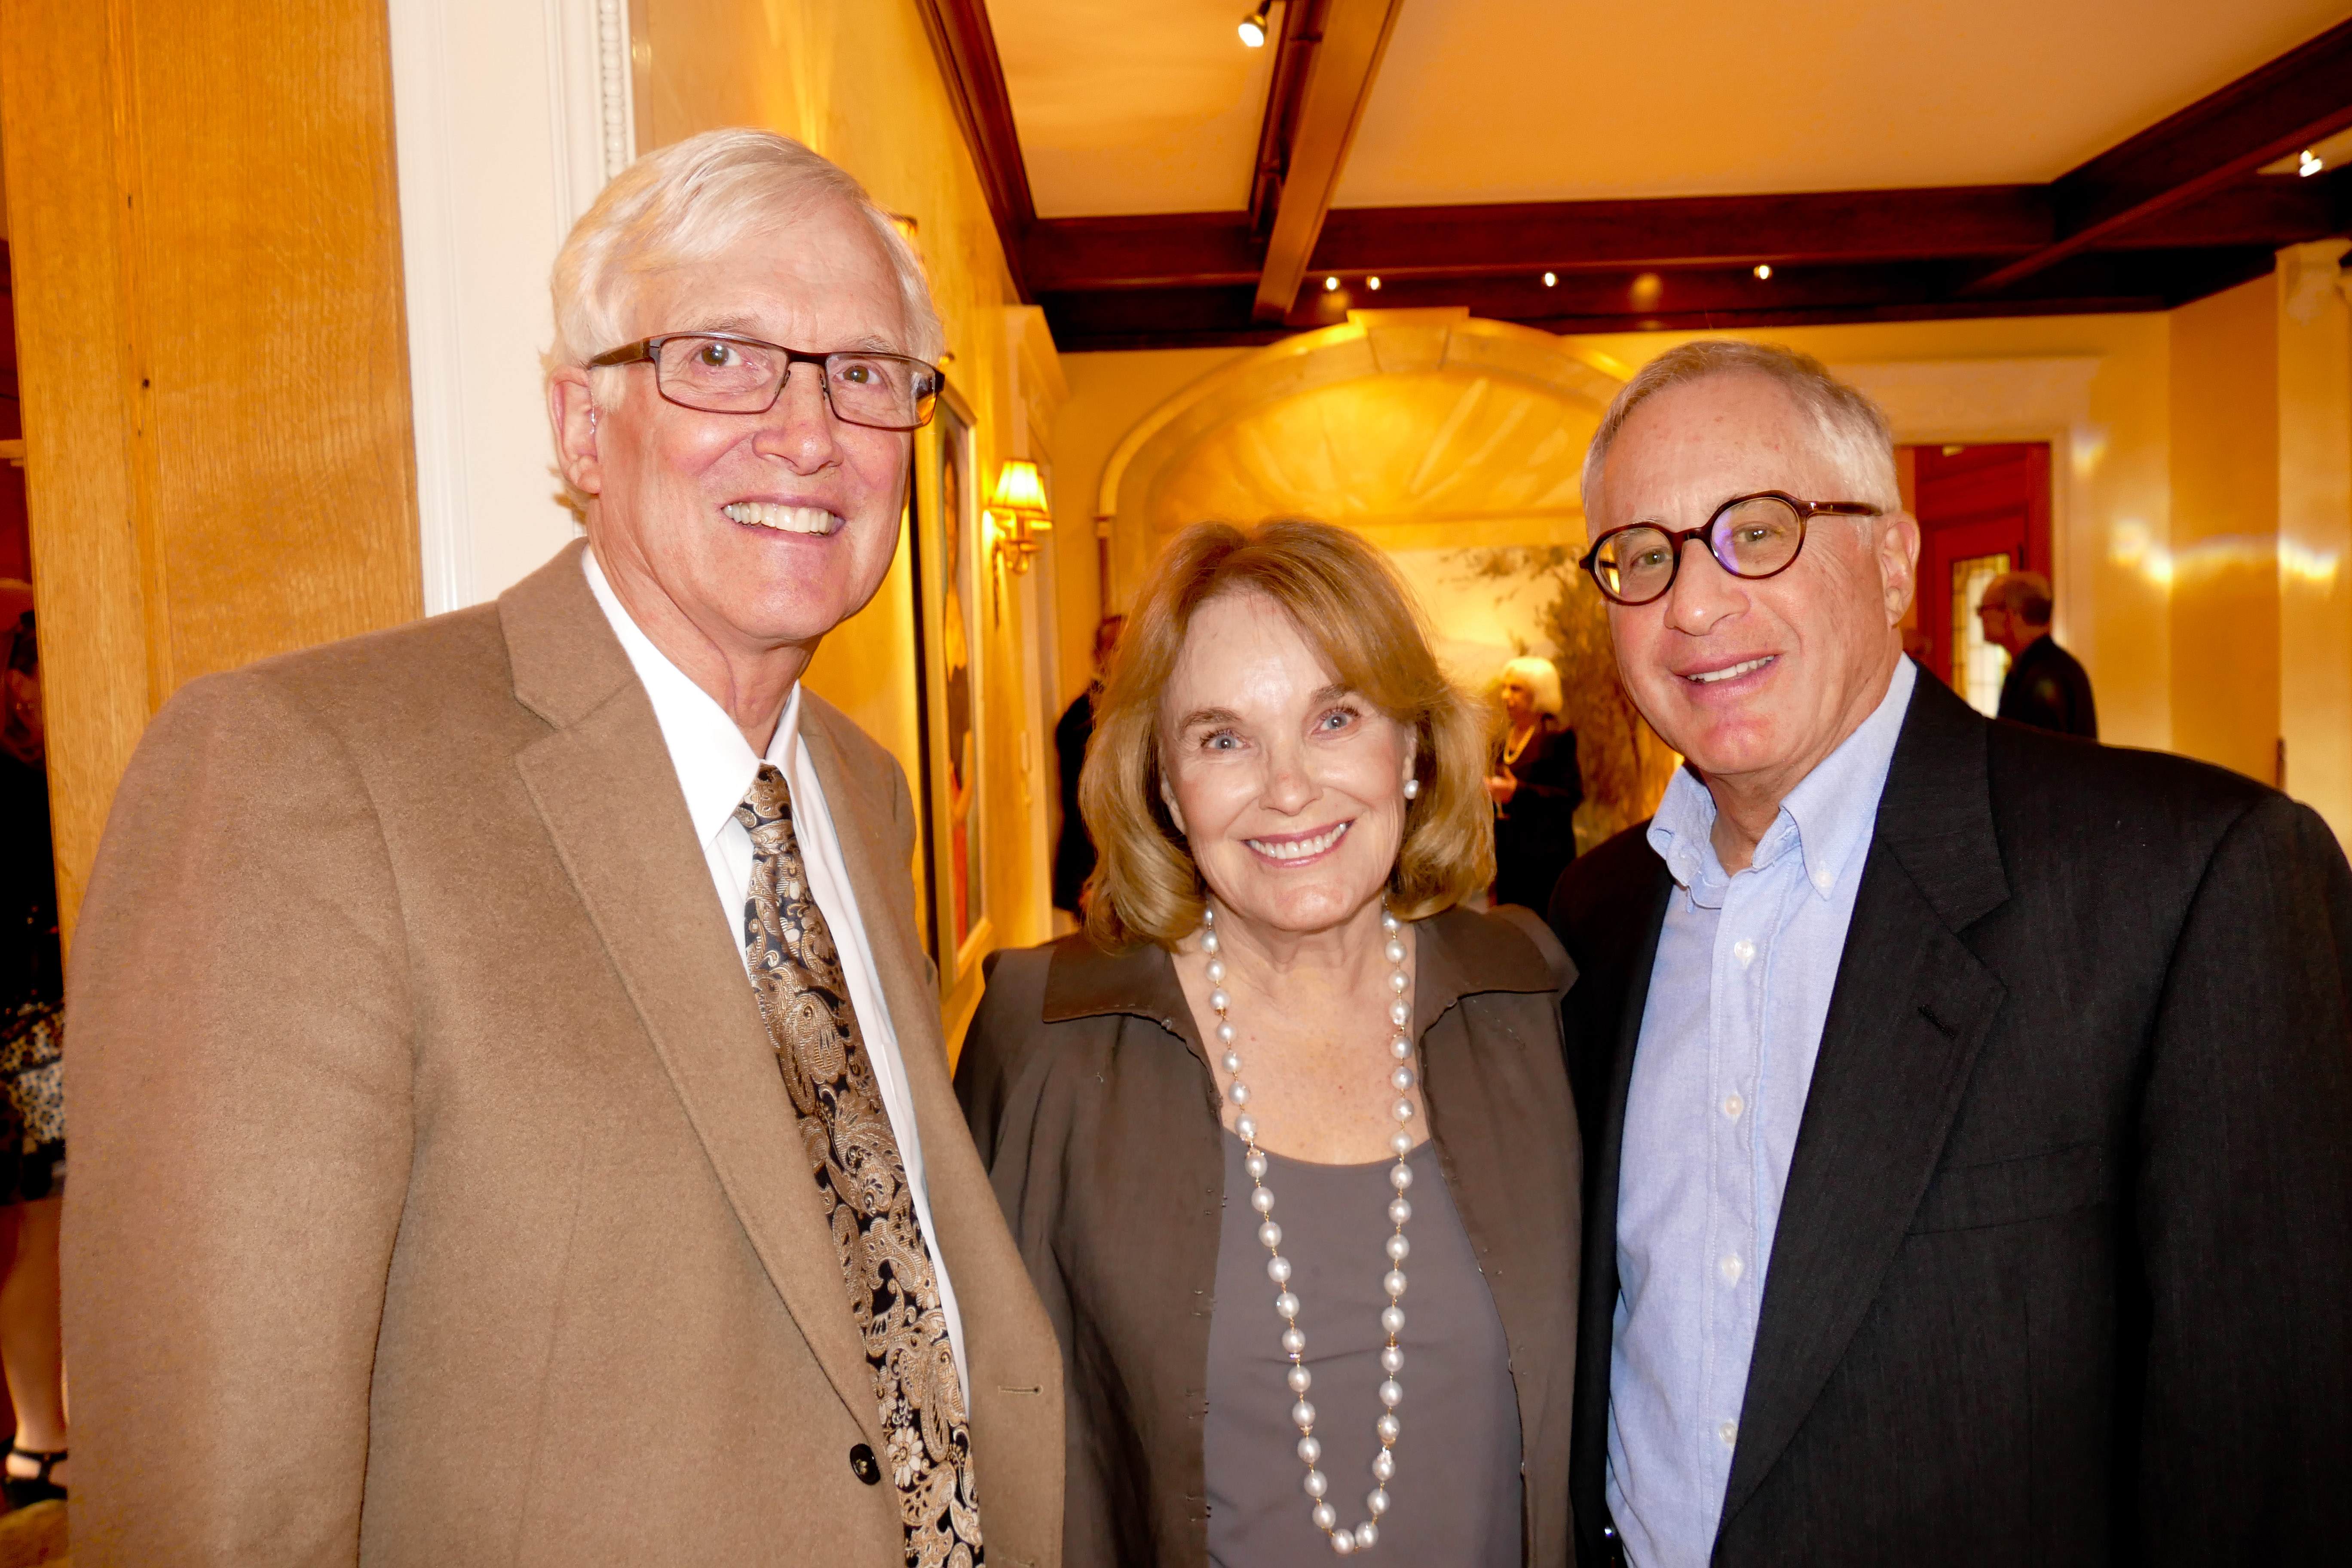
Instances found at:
x=1737 y=997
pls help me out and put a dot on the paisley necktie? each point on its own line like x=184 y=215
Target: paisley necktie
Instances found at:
x=861 y=1180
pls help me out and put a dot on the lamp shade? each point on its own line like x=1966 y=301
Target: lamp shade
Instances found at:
x=1021 y=493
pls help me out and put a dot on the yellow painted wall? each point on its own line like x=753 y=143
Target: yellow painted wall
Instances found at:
x=1108 y=394
x=2315 y=527
x=860 y=84
x=2224 y=467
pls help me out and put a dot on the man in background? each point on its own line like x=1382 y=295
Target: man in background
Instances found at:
x=2047 y=687
x=1073 y=852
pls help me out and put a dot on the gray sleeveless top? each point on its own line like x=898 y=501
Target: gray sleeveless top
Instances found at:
x=1455 y=1500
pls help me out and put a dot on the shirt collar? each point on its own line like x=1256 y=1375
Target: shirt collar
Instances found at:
x=715 y=765
x=1827 y=818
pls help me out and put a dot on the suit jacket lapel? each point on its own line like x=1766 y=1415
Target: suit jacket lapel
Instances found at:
x=1605 y=1147
x=604 y=786
x=1911 y=1007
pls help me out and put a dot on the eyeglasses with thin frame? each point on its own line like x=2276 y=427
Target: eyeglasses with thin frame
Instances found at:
x=1751 y=536
x=726 y=372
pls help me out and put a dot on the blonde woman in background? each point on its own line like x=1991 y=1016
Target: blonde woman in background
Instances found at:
x=1279 y=996
x=1535 y=785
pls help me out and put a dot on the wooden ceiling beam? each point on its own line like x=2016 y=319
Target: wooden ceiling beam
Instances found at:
x=1352 y=37
x=1843 y=226
x=1824 y=229
x=1068 y=254
x=1630 y=299
x=2302 y=97
x=965 y=46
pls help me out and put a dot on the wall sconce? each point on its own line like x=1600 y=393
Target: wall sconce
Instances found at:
x=1253 y=25
x=1020 y=513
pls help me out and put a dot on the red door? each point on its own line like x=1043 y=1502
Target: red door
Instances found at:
x=1982 y=510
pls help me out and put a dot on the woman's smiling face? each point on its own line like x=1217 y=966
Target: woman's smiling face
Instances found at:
x=1289 y=788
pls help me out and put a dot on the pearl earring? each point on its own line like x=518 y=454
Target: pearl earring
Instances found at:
x=1412 y=789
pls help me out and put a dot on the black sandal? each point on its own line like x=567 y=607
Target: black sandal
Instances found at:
x=24 y=1492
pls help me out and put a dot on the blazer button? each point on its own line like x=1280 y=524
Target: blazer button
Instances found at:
x=862 y=1465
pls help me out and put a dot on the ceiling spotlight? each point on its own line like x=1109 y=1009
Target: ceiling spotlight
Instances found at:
x=1551 y=279
x=2310 y=164
x=1252 y=27
x=1330 y=284
x=1763 y=272
x=1373 y=284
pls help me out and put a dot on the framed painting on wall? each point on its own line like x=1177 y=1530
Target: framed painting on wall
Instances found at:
x=948 y=602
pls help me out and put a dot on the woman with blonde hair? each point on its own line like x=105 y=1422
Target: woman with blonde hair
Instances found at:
x=1535 y=784
x=1281 y=1076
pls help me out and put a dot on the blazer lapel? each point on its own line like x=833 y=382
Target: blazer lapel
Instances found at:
x=1912 y=1005
x=604 y=786
x=1604 y=1150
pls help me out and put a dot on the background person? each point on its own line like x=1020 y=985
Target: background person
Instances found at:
x=2046 y=686
x=32 y=1100
x=1279 y=1004
x=1972 y=1110
x=511 y=1118
x=1534 y=785
x=1073 y=851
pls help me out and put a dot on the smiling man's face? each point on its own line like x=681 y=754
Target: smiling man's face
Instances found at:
x=766 y=530
x=1755 y=682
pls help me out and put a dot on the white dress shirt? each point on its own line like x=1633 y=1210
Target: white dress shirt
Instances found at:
x=1739 y=994
x=715 y=768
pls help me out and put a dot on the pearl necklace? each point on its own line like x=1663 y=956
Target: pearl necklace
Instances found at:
x=1364 y=1536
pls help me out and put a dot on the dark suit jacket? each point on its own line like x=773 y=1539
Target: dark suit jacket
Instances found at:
x=2048 y=689
x=2063 y=1271
x=1090 y=1096
x=1073 y=851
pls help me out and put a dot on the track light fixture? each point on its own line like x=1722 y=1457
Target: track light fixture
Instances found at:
x=1252 y=27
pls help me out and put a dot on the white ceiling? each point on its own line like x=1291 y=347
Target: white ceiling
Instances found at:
x=1145 y=106
x=1153 y=105
x=1507 y=100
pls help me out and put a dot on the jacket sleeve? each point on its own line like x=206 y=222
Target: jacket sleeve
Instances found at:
x=240 y=1088
x=2244 y=1207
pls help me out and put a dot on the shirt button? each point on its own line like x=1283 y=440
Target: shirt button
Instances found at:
x=1822 y=880
x=1733 y=1105
x=1744 y=950
x=1729 y=1268
x=1729 y=1433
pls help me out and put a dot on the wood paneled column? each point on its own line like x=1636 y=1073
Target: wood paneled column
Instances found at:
x=206 y=238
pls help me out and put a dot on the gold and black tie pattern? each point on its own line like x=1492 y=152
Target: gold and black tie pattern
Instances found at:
x=861 y=1179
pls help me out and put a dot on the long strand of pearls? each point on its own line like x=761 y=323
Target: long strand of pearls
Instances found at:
x=1361 y=1537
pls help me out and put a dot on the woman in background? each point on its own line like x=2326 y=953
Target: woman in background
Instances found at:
x=1534 y=783
x=32 y=1100
x=1278 y=997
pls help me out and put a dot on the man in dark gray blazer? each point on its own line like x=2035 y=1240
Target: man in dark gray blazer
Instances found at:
x=1969 y=1109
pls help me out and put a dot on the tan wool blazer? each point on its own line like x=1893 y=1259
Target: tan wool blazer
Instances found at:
x=435 y=1198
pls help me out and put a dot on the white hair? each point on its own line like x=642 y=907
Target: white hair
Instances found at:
x=1852 y=431
x=1543 y=676
x=2025 y=595
x=689 y=201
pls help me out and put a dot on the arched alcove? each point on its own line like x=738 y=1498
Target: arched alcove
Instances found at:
x=1456 y=445
x=1423 y=427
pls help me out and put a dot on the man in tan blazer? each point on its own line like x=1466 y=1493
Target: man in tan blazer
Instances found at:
x=445 y=1191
